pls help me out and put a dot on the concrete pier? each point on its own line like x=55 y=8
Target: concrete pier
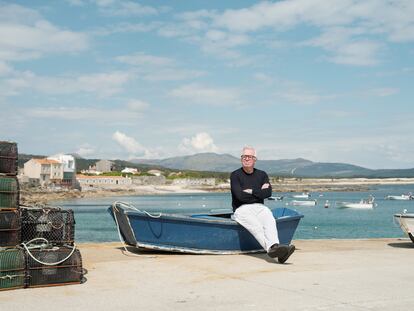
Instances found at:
x=375 y=274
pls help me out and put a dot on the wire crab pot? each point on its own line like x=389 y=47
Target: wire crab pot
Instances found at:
x=12 y=268
x=54 y=224
x=49 y=265
x=9 y=192
x=10 y=228
x=8 y=158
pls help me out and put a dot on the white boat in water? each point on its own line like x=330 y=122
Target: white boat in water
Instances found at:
x=276 y=198
x=303 y=202
x=304 y=195
x=402 y=197
x=364 y=203
x=406 y=222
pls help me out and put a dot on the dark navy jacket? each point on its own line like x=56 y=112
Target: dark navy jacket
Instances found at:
x=240 y=180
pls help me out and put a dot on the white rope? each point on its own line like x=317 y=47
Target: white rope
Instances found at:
x=127 y=205
x=7 y=276
x=25 y=245
x=126 y=252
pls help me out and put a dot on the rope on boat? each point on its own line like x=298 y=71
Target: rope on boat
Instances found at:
x=25 y=245
x=127 y=205
x=9 y=277
x=126 y=252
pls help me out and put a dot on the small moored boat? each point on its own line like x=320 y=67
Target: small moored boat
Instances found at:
x=402 y=197
x=406 y=222
x=304 y=195
x=276 y=198
x=363 y=204
x=303 y=202
x=209 y=233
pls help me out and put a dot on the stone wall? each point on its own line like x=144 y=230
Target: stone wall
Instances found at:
x=148 y=180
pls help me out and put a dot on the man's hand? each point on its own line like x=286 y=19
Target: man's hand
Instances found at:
x=265 y=186
x=249 y=191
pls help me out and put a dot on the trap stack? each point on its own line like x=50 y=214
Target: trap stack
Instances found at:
x=37 y=244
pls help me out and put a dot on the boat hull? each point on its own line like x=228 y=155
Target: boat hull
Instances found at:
x=201 y=233
x=303 y=203
x=399 y=197
x=406 y=222
x=356 y=205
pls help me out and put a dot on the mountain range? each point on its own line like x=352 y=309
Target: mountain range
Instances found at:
x=286 y=167
x=226 y=163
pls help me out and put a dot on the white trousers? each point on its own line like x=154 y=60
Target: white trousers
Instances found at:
x=259 y=221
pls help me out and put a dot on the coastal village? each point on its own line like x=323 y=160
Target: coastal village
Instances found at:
x=56 y=177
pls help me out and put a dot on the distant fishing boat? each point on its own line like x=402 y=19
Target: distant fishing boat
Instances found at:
x=303 y=202
x=363 y=204
x=209 y=233
x=402 y=197
x=276 y=198
x=406 y=222
x=304 y=195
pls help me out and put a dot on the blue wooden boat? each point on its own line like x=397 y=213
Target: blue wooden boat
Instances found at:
x=211 y=233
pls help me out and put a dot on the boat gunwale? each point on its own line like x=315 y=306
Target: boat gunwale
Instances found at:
x=204 y=218
x=411 y=215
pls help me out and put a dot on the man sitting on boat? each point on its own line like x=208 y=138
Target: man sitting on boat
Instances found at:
x=249 y=188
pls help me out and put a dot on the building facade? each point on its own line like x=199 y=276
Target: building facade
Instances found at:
x=194 y=181
x=102 y=182
x=48 y=171
x=69 y=168
x=104 y=166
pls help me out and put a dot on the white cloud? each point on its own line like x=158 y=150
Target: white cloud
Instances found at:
x=126 y=8
x=81 y=113
x=157 y=68
x=75 y=2
x=366 y=23
x=101 y=84
x=85 y=150
x=198 y=94
x=125 y=28
x=263 y=78
x=143 y=59
x=296 y=93
x=201 y=142
x=137 y=105
x=382 y=92
x=25 y=35
x=133 y=147
x=128 y=143
x=5 y=69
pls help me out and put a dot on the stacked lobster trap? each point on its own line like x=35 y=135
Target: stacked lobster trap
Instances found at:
x=37 y=246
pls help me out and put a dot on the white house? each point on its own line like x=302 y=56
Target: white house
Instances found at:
x=69 y=167
x=46 y=170
x=130 y=170
x=155 y=172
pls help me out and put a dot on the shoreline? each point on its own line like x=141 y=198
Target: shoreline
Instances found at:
x=39 y=196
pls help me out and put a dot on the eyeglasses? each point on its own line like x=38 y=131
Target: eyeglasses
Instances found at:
x=248 y=157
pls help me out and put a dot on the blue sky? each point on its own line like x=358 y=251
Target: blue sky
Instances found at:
x=329 y=81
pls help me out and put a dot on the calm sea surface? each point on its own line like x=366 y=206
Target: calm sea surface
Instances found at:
x=93 y=223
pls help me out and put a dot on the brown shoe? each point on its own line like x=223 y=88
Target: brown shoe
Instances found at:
x=282 y=259
x=277 y=250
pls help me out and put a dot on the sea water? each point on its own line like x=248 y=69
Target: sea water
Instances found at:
x=94 y=224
